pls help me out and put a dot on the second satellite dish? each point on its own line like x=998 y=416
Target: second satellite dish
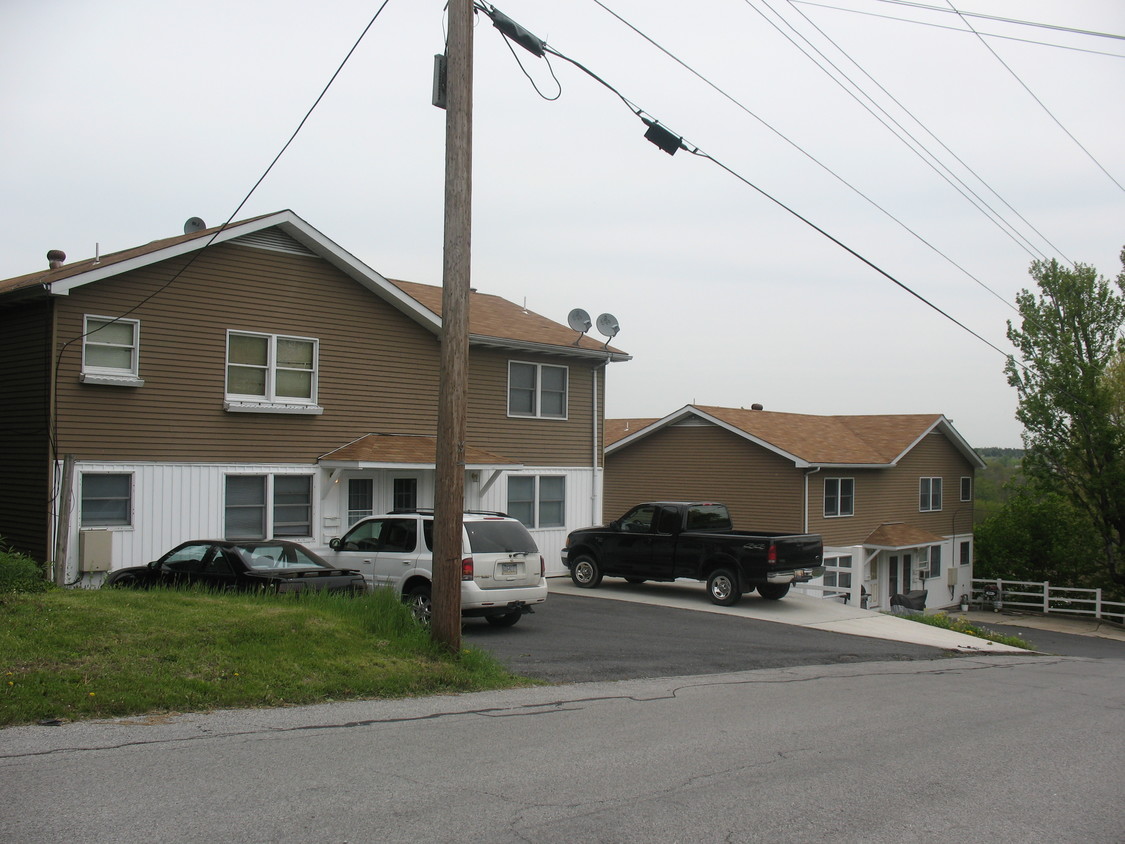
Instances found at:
x=608 y=325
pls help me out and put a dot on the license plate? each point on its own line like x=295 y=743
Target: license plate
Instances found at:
x=509 y=568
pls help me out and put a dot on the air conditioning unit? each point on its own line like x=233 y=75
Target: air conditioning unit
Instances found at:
x=95 y=550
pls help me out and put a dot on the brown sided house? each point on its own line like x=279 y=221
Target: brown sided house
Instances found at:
x=258 y=380
x=892 y=496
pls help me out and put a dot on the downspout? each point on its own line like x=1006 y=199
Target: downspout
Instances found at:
x=812 y=471
x=595 y=514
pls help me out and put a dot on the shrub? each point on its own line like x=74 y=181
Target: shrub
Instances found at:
x=20 y=573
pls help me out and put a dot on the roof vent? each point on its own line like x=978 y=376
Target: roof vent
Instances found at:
x=756 y=407
x=55 y=258
x=194 y=224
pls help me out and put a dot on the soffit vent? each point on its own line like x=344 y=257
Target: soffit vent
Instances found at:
x=274 y=240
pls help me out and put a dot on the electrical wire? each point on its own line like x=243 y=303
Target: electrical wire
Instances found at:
x=944 y=146
x=695 y=150
x=793 y=144
x=1042 y=105
x=52 y=431
x=959 y=29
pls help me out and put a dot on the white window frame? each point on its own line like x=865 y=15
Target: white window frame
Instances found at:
x=934 y=559
x=966 y=553
x=271 y=402
x=838 y=514
x=929 y=493
x=270 y=505
x=114 y=376
x=836 y=568
x=537 y=391
x=967 y=482
x=82 y=499
x=537 y=501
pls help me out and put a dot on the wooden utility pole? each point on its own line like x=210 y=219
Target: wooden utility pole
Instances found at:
x=449 y=497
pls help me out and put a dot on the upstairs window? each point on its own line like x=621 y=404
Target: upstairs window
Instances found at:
x=270 y=371
x=839 y=497
x=111 y=351
x=537 y=390
x=966 y=488
x=929 y=494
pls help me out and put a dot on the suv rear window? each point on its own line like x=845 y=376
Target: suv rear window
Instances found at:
x=495 y=537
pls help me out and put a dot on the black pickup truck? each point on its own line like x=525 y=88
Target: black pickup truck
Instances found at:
x=666 y=540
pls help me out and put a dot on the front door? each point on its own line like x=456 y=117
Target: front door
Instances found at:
x=898 y=578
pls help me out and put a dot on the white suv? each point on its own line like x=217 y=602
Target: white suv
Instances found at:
x=502 y=571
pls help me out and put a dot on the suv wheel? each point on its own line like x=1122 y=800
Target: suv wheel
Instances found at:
x=585 y=571
x=420 y=603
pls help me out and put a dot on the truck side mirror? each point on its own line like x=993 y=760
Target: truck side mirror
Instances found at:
x=334 y=544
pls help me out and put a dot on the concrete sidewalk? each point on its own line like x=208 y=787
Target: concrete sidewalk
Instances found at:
x=801 y=610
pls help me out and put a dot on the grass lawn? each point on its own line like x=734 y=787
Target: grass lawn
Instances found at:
x=69 y=654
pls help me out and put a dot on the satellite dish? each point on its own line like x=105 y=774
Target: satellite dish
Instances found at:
x=608 y=325
x=194 y=224
x=579 y=320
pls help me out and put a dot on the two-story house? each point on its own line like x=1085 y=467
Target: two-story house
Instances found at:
x=258 y=380
x=892 y=496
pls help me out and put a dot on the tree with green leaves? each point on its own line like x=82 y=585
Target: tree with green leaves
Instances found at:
x=1069 y=344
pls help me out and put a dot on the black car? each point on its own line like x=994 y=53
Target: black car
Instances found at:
x=274 y=565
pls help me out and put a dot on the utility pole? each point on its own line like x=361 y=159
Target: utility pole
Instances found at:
x=449 y=496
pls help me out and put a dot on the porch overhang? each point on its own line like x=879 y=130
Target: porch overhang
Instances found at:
x=407 y=451
x=899 y=536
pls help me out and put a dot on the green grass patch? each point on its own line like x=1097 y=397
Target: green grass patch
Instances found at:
x=960 y=624
x=70 y=654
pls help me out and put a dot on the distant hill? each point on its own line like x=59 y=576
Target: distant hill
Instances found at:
x=1016 y=453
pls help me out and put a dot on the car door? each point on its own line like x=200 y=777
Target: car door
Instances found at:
x=184 y=565
x=630 y=551
x=383 y=549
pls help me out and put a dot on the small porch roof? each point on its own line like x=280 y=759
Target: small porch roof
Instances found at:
x=406 y=451
x=897 y=536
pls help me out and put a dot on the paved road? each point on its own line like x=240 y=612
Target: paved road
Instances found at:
x=579 y=639
x=1020 y=749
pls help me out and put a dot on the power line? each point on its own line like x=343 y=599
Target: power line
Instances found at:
x=1017 y=21
x=670 y=143
x=799 y=149
x=962 y=31
x=1042 y=105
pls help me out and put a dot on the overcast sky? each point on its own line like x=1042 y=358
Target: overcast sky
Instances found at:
x=123 y=118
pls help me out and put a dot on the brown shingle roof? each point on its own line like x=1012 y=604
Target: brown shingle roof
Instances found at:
x=492 y=316
x=814 y=440
x=618 y=429
x=407 y=448
x=901 y=535
x=830 y=439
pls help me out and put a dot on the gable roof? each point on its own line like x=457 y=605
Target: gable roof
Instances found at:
x=854 y=441
x=492 y=321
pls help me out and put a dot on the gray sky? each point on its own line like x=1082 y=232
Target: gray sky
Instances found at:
x=122 y=118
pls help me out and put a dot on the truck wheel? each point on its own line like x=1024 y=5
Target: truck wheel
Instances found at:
x=585 y=571
x=773 y=591
x=722 y=586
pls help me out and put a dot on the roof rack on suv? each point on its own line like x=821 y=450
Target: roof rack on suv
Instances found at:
x=429 y=511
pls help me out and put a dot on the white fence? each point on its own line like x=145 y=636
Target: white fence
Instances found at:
x=1045 y=598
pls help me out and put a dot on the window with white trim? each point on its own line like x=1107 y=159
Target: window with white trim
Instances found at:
x=838 y=571
x=966 y=553
x=967 y=488
x=929 y=494
x=111 y=351
x=267 y=371
x=106 y=500
x=839 y=497
x=537 y=390
x=539 y=501
x=935 y=561
x=268 y=506
x=361 y=499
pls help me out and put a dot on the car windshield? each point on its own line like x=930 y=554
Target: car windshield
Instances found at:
x=264 y=556
x=499 y=536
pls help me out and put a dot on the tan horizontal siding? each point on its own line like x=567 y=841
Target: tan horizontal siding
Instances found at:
x=378 y=370
x=706 y=463
x=891 y=495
